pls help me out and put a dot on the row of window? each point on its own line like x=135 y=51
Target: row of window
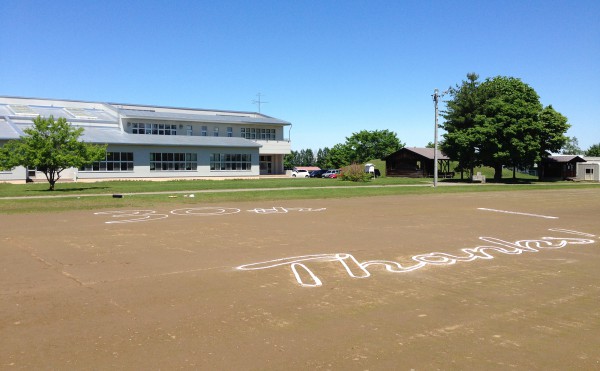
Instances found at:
x=224 y=161
x=114 y=161
x=154 y=129
x=173 y=161
x=204 y=131
x=168 y=129
x=170 y=161
x=254 y=133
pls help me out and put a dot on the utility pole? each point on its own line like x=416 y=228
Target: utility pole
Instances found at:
x=258 y=101
x=436 y=98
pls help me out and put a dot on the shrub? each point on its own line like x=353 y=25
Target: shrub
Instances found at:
x=354 y=173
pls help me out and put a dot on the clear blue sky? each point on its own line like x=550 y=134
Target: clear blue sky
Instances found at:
x=331 y=68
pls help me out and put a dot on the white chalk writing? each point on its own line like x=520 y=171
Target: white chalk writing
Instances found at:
x=148 y=215
x=356 y=269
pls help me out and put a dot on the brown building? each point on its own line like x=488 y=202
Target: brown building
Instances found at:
x=417 y=163
x=559 y=167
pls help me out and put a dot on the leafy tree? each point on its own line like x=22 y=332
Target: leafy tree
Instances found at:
x=51 y=147
x=462 y=138
x=368 y=145
x=306 y=157
x=289 y=160
x=500 y=122
x=321 y=160
x=571 y=147
x=338 y=156
x=593 y=151
x=509 y=124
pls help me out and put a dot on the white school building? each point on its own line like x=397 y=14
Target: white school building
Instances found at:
x=145 y=142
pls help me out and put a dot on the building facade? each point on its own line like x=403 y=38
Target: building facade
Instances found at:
x=145 y=142
x=414 y=162
x=589 y=170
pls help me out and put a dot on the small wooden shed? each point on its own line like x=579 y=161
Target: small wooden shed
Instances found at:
x=415 y=162
x=559 y=167
x=589 y=170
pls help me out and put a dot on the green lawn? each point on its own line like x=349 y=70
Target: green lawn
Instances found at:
x=72 y=196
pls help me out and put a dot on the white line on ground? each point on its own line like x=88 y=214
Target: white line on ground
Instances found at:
x=517 y=213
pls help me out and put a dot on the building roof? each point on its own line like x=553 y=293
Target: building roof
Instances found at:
x=428 y=153
x=8 y=131
x=111 y=136
x=563 y=159
x=102 y=121
x=307 y=168
x=591 y=159
x=200 y=117
x=82 y=112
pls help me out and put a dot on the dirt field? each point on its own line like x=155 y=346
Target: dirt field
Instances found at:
x=457 y=281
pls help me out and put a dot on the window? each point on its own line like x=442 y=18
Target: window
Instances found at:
x=204 y=131
x=216 y=131
x=188 y=130
x=227 y=161
x=173 y=161
x=229 y=132
x=114 y=161
x=254 y=133
x=154 y=129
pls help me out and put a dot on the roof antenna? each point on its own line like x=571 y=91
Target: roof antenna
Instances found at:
x=258 y=101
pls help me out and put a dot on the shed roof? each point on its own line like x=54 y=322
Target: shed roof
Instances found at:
x=591 y=159
x=563 y=159
x=427 y=153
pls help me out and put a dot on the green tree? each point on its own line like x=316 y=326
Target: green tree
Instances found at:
x=321 y=160
x=288 y=160
x=50 y=147
x=306 y=157
x=462 y=139
x=500 y=122
x=571 y=147
x=593 y=151
x=509 y=124
x=369 y=145
x=338 y=156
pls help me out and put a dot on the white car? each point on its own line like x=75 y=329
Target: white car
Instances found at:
x=300 y=173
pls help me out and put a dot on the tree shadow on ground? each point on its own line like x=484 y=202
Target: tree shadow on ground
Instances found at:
x=492 y=181
x=67 y=190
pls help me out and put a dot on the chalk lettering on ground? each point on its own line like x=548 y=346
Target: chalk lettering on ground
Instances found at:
x=355 y=269
x=138 y=216
x=149 y=215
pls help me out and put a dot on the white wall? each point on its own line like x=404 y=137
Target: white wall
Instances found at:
x=18 y=173
x=584 y=169
x=141 y=163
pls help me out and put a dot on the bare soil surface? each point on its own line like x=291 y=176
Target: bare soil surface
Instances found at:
x=459 y=281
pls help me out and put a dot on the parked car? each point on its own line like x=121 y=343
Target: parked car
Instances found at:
x=300 y=173
x=331 y=172
x=317 y=173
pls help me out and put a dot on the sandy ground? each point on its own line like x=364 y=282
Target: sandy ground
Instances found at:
x=468 y=286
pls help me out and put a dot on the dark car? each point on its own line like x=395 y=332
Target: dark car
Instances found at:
x=317 y=173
